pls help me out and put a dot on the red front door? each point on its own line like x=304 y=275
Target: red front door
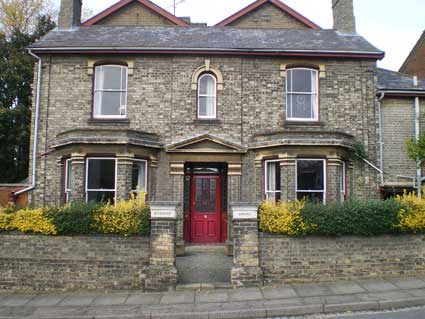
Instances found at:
x=205 y=209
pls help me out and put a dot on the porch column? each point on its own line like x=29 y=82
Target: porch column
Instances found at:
x=333 y=193
x=161 y=274
x=234 y=176
x=124 y=176
x=177 y=185
x=246 y=271
x=288 y=175
x=77 y=177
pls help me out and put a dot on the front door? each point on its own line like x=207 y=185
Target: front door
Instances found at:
x=205 y=209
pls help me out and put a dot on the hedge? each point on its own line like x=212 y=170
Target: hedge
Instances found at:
x=404 y=214
x=126 y=218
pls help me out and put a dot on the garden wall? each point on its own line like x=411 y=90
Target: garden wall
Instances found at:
x=311 y=259
x=67 y=263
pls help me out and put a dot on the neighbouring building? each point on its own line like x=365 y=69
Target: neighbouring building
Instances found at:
x=266 y=104
x=415 y=62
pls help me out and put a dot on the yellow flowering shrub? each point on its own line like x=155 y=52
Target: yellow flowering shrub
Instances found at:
x=34 y=221
x=282 y=218
x=5 y=221
x=412 y=213
x=124 y=218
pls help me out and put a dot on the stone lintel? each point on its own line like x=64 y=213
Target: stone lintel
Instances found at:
x=164 y=210
x=244 y=211
x=78 y=158
x=177 y=168
x=234 y=169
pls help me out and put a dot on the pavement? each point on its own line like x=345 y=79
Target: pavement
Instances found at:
x=266 y=302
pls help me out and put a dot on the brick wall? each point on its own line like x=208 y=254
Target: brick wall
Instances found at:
x=312 y=259
x=68 y=263
x=5 y=192
x=268 y=16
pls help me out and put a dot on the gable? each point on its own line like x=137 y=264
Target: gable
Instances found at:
x=135 y=13
x=415 y=63
x=205 y=144
x=268 y=14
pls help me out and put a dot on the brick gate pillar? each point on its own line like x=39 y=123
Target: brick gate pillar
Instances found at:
x=246 y=271
x=124 y=176
x=161 y=274
x=77 y=177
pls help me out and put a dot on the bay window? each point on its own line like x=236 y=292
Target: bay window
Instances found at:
x=67 y=182
x=207 y=96
x=110 y=92
x=101 y=179
x=302 y=95
x=311 y=180
x=272 y=180
x=139 y=176
x=343 y=182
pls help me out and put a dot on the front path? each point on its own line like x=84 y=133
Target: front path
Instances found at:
x=280 y=301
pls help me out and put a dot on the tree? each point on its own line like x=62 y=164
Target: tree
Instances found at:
x=16 y=76
x=20 y=15
x=416 y=152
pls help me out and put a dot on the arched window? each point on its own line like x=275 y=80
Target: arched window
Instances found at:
x=110 y=91
x=207 y=96
x=302 y=94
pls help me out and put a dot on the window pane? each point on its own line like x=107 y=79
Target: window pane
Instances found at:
x=108 y=78
x=206 y=106
x=302 y=106
x=101 y=174
x=301 y=81
x=68 y=175
x=207 y=85
x=139 y=177
x=310 y=175
x=101 y=197
x=107 y=103
x=311 y=197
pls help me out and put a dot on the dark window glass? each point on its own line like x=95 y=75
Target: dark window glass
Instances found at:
x=312 y=197
x=101 y=174
x=101 y=197
x=310 y=175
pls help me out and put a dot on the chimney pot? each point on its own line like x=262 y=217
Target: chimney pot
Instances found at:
x=70 y=14
x=343 y=13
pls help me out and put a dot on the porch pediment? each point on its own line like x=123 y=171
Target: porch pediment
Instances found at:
x=205 y=144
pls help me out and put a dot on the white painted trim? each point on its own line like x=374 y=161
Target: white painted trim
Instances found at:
x=67 y=172
x=266 y=191
x=212 y=117
x=146 y=173
x=316 y=93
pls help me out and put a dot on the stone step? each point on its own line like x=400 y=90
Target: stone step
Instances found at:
x=204 y=286
x=219 y=248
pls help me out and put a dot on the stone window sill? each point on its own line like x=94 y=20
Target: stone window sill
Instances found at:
x=207 y=122
x=303 y=124
x=108 y=121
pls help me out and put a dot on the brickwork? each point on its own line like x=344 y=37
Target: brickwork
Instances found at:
x=333 y=191
x=70 y=14
x=415 y=64
x=268 y=16
x=77 y=177
x=312 y=259
x=343 y=13
x=72 y=263
x=135 y=14
x=287 y=179
x=125 y=169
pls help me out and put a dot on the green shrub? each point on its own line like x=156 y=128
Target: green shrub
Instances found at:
x=75 y=218
x=364 y=218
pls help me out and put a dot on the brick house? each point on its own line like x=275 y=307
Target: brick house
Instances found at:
x=265 y=104
x=415 y=62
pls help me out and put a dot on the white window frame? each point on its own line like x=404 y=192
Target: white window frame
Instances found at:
x=101 y=189
x=343 y=181
x=266 y=182
x=124 y=107
x=146 y=175
x=67 y=180
x=199 y=95
x=324 y=191
x=316 y=93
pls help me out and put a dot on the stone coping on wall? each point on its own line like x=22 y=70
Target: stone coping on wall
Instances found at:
x=286 y=259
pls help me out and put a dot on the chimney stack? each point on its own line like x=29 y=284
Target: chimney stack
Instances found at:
x=70 y=14
x=343 y=12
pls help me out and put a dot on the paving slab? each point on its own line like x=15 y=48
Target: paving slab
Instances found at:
x=183 y=297
x=339 y=299
x=346 y=288
x=416 y=292
x=388 y=295
x=408 y=283
x=245 y=294
x=15 y=301
x=378 y=286
x=144 y=299
x=211 y=296
x=312 y=290
x=279 y=292
x=77 y=300
x=109 y=300
x=40 y=301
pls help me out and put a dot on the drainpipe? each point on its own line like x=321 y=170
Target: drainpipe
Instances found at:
x=381 y=152
x=417 y=136
x=36 y=120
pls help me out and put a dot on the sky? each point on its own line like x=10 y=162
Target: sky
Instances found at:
x=393 y=26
